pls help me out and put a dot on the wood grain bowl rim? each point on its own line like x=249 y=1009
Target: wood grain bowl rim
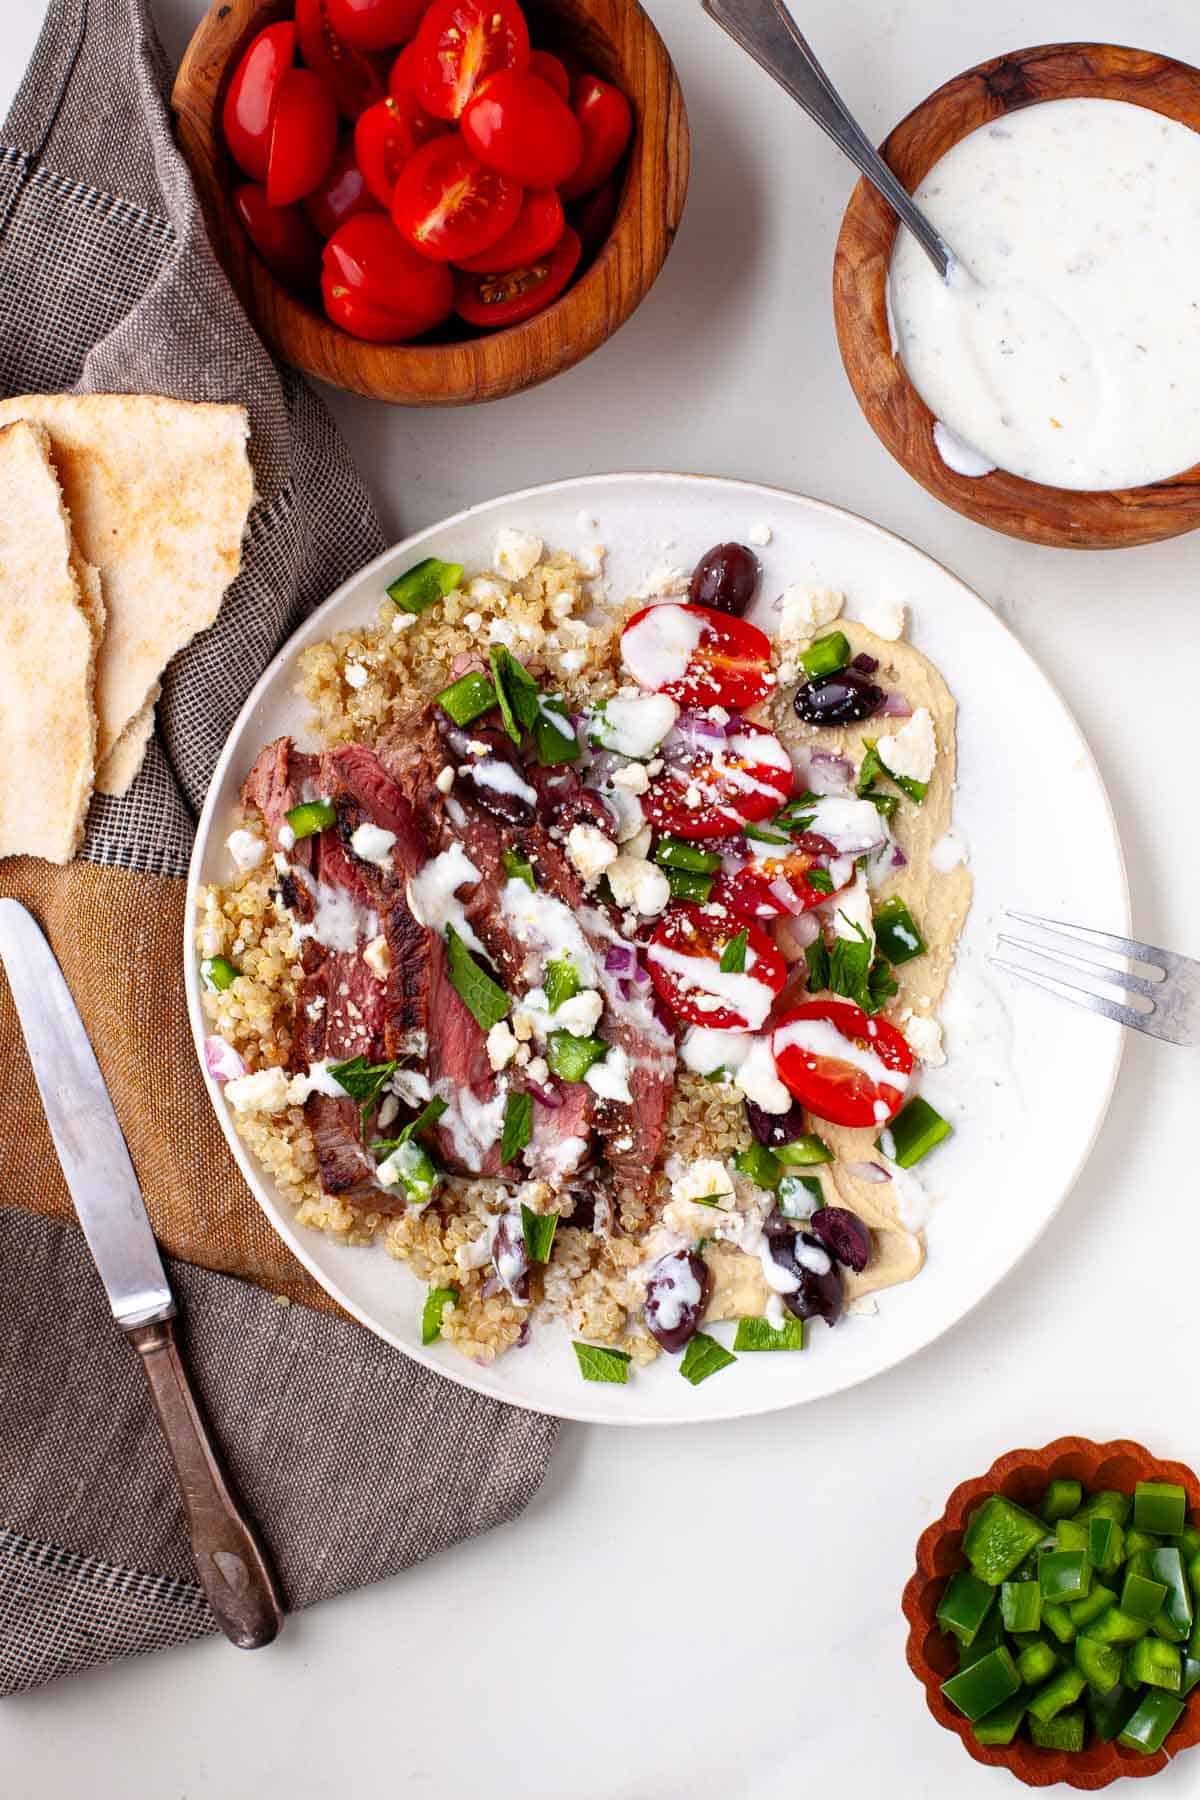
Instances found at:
x=1020 y=1474
x=1064 y=518
x=464 y=370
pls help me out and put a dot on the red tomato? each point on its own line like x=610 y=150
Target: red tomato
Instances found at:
x=550 y=69
x=540 y=224
x=405 y=71
x=375 y=24
x=282 y=236
x=462 y=41
x=734 y=781
x=376 y=286
x=303 y=136
x=517 y=294
x=593 y=217
x=250 y=101
x=386 y=136
x=448 y=205
x=604 y=116
x=518 y=124
x=844 y=1092
x=729 y=665
x=355 y=76
x=341 y=195
x=684 y=959
x=749 y=891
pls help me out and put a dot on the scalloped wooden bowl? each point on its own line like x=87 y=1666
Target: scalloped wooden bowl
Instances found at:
x=895 y=411
x=615 y=38
x=1022 y=1476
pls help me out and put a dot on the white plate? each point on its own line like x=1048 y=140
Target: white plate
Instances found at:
x=1041 y=835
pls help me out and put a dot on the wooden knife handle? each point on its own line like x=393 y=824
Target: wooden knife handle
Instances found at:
x=229 y=1559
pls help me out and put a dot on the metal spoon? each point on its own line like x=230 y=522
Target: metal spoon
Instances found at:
x=767 y=32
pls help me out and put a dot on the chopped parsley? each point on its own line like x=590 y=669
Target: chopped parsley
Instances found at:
x=847 y=968
x=819 y=880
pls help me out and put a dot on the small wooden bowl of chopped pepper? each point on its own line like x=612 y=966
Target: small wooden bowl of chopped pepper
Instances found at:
x=1054 y=1614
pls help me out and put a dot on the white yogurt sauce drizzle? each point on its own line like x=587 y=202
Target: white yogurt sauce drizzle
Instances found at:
x=1064 y=346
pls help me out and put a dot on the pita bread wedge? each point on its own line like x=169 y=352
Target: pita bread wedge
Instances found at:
x=158 y=492
x=115 y=774
x=48 y=632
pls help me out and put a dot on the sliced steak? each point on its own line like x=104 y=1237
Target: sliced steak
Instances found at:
x=362 y=791
x=560 y=1142
x=275 y=784
x=633 y=1134
x=347 y=1169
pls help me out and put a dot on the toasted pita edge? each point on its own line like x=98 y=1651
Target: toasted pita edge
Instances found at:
x=117 y=772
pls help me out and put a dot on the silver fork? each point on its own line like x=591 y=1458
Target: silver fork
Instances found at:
x=1165 y=1003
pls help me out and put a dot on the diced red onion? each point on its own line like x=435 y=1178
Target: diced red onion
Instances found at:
x=625 y=988
x=793 y=936
x=692 y=732
x=785 y=893
x=545 y=1096
x=466 y=663
x=895 y=706
x=620 y=959
x=523 y=1335
x=866 y=665
x=493 y=1285
x=222 y=1060
x=867 y=1171
x=899 y=860
x=829 y=773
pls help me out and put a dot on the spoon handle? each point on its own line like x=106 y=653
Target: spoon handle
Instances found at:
x=767 y=32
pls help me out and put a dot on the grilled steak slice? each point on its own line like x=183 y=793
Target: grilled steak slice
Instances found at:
x=362 y=790
x=347 y=1169
x=560 y=1142
x=633 y=1133
x=413 y=756
x=275 y=784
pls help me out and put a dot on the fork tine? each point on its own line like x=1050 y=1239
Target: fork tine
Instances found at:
x=1136 y=984
x=1120 y=946
x=1078 y=996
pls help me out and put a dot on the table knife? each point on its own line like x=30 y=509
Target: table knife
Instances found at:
x=232 y=1567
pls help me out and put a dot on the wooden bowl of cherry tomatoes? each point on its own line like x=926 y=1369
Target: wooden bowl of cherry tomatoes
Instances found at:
x=435 y=202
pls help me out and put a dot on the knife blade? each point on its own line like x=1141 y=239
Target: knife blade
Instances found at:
x=87 y=1135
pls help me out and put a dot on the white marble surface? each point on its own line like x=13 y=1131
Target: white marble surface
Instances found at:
x=713 y=1612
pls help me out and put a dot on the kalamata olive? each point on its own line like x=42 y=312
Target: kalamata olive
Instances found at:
x=840 y=699
x=492 y=779
x=510 y=1259
x=867 y=665
x=773 y=1129
x=725 y=577
x=676 y=1295
x=818 y=1290
x=843 y=1234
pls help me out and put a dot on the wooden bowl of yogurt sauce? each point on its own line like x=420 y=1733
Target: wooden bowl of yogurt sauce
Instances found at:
x=1068 y=347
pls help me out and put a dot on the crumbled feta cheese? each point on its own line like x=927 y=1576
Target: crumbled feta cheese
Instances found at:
x=885 y=618
x=501 y=1045
x=665 y=578
x=370 y=843
x=701 y=1179
x=501 y=632
x=853 y=913
x=761 y=534
x=287 y=839
x=579 y=1015
x=633 y=778
x=378 y=957
x=404 y=621
x=516 y=553
x=264 y=1091
x=410 y=1086
x=925 y=1037
x=911 y=750
x=640 y=884
x=246 y=848
x=356 y=675
x=562 y=606
x=639 y=844
x=590 y=851
x=759 y=1081
x=803 y=611
x=572 y=661
x=486 y=592
x=628 y=809
x=609 y=1080
x=522 y=1024
x=445 y=780
x=473 y=620
x=636 y=726
x=693 y=797
x=539 y=1070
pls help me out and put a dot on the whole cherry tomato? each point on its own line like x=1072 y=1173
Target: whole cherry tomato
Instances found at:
x=342 y=193
x=375 y=24
x=376 y=286
x=282 y=236
x=550 y=69
x=386 y=136
x=862 y=1086
x=463 y=41
x=250 y=101
x=606 y=120
x=355 y=76
x=517 y=124
x=403 y=76
x=517 y=294
x=538 y=227
x=592 y=217
x=303 y=136
x=448 y=205
x=684 y=959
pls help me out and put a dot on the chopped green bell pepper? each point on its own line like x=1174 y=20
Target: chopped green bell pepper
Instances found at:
x=964 y=1605
x=1141 y=1596
x=1153 y=1663
x=1064 y=1732
x=1106 y=1543
x=1115 y=1626
x=989 y=1637
x=1001 y=1725
x=1062 y=1690
x=1064 y=1575
x=987 y=1684
x=1061 y=1499
x=1109 y=1503
x=804 y=1152
x=1148 y=1726
x=1036 y=1662
x=1069 y=1534
x=468 y=698
x=826 y=656
x=218 y=973
x=1136 y=1540
x=1084 y=1612
x=517 y=869
x=758 y=1165
x=677 y=853
x=571 y=1057
x=916 y=1130
x=424 y=583
x=896 y=936
x=1021 y=1605
x=1174 y=1621
x=1191 y=1675
x=310 y=817
x=999 y=1536
x=1058 y=1620
x=686 y=886
x=1110 y=1712
x=1159 y=1506
x=1099 y=1664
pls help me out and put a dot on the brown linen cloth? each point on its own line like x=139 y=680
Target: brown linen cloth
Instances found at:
x=354 y=1461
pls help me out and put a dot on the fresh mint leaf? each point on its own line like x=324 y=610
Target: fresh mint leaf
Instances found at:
x=817 y=958
x=553 y=734
x=597 y=1362
x=436 y=1302
x=765 y=834
x=819 y=880
x=518 y=1126
x=704 y=1357
x=733 y=956
x=561 y=982
x=882 y=986
x=428 y=1115
x=916 y=790
x=850 y=964
x=517 y=869
x=758 y=1334
x=539 y=1229
x=870 y=769
x=363 y=1081
x=484 y=999
x=516 y=691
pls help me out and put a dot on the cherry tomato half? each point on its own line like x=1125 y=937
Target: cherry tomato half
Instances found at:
x=375 y=24
x=376 y=286
x=606 y=121
x=448 y=205
x=282 y=236
x=386 y=136
x=341 y=194
x=517 y=294
x=730 y=781
x=517 y=124
x=303 y=136
x=550 y=69
x=843 y=1066
x=539 y=225
x=463 y=41
x=757 y=891
x=355 y=76
x=684 y=960
x=699 y=656
x=250 y=101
